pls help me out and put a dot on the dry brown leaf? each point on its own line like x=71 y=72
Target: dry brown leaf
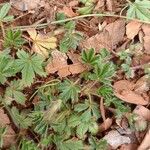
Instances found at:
x=99 y=5
x=108 y=38
x=116 y=31
x=42 y=43
x=98 y=41
x=24 y=5
x=121 y=85
x=132 y=29
x=146 y=44
x=146 y=38
x=69 y=12
x=128 y=147
x=106 y=124
x=115 y=139
x=145 y=145
x=59 y=64
x=143 y=112
x=5 y=122
x=131 y=97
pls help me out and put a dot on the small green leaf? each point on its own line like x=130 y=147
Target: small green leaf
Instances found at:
x=69 y=91
x=29 y=65
x=4 y=10
x=14 y=91
x=82 y=129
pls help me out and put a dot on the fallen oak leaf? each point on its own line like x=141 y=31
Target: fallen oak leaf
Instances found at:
x=42 y=43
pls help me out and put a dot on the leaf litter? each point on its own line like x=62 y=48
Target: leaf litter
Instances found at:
x=98 y=106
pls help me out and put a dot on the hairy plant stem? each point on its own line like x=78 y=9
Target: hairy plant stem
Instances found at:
x=43 y=25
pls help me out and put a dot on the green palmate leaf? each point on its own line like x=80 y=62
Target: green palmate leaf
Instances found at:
x=89 y=57
x=88 y=110
x=14 y=92
x=96 y=144
x=4 y=11
x=103 y=72
x=139 y=9
x=70 y=41
x=69 y=91
x=26 y=144
x=71 y=144
x=74 y=120
x=13 y=39
x=82 y=129
x=7 y=66
x=20 y=119
x=29 y=65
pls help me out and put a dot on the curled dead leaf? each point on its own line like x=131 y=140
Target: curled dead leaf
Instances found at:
x=42 y=43
x=131 y=97
x=106 y=124
x=132 y=29
x=123 y=85
x=59 y=64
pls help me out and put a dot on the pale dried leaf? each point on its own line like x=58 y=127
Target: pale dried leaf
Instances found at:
x=143 y=112
x=42 y=43
x=106 y=124
x=73 y=3
x=145 y=145
x=132 y=29
x=98 y=42
x=115 y=139
x=131 y=97
x=24 y=5
x=116 y=31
